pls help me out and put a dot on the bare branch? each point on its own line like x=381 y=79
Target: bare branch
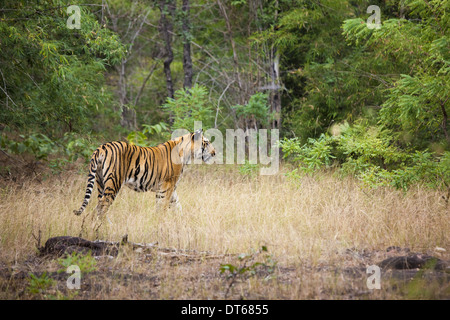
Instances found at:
x=218 y=103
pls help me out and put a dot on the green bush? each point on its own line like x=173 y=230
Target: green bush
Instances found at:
x=368 y=153
x=55 y=153
x=189 y=106
x=55 y=77
x=37 y=285
x=38 y=145
x=257 y=109
x=149 y=135
x=86 y=262
x=315 y=154
x=248 y=169
x=249 y=266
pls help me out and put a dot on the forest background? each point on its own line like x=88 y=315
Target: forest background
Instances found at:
x=366 y=100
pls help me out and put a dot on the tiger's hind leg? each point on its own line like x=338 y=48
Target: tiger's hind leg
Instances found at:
x=100 y=186
x=101 y=190
x=103 y=205
x=104 y=202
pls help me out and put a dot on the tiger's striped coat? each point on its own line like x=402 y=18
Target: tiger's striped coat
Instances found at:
x=156 y=169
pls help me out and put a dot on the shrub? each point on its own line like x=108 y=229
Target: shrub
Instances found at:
x=190 y=105
x=369 y=153
x=85 y=262
x=149 y=134
x=315 y=154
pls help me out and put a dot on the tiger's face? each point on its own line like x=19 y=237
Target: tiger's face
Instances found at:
x=202 y=147
x=208 y=151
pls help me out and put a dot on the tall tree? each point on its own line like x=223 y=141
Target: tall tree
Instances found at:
x=128 y=19
x=167 y=8
x=187 y=60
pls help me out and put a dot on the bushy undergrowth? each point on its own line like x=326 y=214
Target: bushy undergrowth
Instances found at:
x=53 y=152
x=56 y=153
x=371 y=154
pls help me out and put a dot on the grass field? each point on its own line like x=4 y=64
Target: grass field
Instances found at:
x=321 y=233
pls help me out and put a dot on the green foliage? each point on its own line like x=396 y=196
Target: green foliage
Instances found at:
x=75 y=146
x=326 y=81
x=368 y=144
x=86 y=262
x=368 y=153
x=422 y=167
x=248 y=169
x=238 y=2
x=248 y=267
x=149 y=134
x=313 y=155
x=377 y=163
x=52 y=76
x=394 y=80
x=416 y=106
x=37 y=285
x=257 y=109
x=190 y=105
x=55 y=153
x=417 y=100
x=38 y=145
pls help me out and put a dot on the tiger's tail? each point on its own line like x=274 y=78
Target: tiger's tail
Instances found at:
x=96 y=163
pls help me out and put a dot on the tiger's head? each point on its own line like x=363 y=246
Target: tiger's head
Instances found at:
x=195 y=146
x=202 y=147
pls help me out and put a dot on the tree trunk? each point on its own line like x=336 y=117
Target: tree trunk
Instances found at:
x=275 y=75
x=128 y=116
x=275 y=94
x=125 y=89
x=167 y=7
x=445 y=120
x=187 y=61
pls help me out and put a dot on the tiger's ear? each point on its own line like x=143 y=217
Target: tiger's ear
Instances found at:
x=197 y=134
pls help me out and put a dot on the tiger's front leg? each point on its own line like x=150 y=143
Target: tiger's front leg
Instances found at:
x=175 y=202
x=163 y=200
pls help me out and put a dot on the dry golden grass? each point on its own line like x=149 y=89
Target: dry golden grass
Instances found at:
x=306 y=225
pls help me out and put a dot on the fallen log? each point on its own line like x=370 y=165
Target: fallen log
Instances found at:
x=62 y=245
x=415 y=261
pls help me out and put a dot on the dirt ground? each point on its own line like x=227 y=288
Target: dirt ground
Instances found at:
x=162 y=273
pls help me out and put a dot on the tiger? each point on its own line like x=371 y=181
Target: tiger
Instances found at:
x=156 y=169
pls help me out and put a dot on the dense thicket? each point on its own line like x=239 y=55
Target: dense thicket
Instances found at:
x=53 y=77
x=373 y=102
